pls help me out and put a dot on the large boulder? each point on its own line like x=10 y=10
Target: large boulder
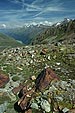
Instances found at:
x=3 y=79
x=29 y=91
x=45 y=78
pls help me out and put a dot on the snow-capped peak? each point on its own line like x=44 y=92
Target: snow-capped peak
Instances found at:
x=57 y=24
x=3 y=25
x=47 y=23
x=66 y=20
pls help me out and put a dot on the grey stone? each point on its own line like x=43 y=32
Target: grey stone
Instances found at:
x=45 y=105
x=65 y=110
x=34 y=105
x=3 y=107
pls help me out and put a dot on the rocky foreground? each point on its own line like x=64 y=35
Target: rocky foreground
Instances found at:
x=47 y=94
x=21 y=66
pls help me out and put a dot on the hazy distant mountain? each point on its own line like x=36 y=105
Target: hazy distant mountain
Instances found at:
x=26 y=33
x=39 y=33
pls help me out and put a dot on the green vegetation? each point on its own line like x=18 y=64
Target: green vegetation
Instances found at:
x=15 y=78
x=8 y=42
x=4 y=98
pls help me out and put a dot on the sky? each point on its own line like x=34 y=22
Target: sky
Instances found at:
x=20 y=12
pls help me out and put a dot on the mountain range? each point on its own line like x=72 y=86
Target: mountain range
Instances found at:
x=25 y=34
x=62 y=32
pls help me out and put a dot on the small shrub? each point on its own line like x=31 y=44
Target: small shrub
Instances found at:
x=15 y=78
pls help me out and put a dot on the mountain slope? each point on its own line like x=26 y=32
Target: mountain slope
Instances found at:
x=6 y=41
x=63 y=33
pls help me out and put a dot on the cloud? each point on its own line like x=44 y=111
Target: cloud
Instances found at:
x=51 y=6
x=3 y=25
x=39 y=18
x=13 y=16
x=25 y=5
x=36 y=10
x=39 y=7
